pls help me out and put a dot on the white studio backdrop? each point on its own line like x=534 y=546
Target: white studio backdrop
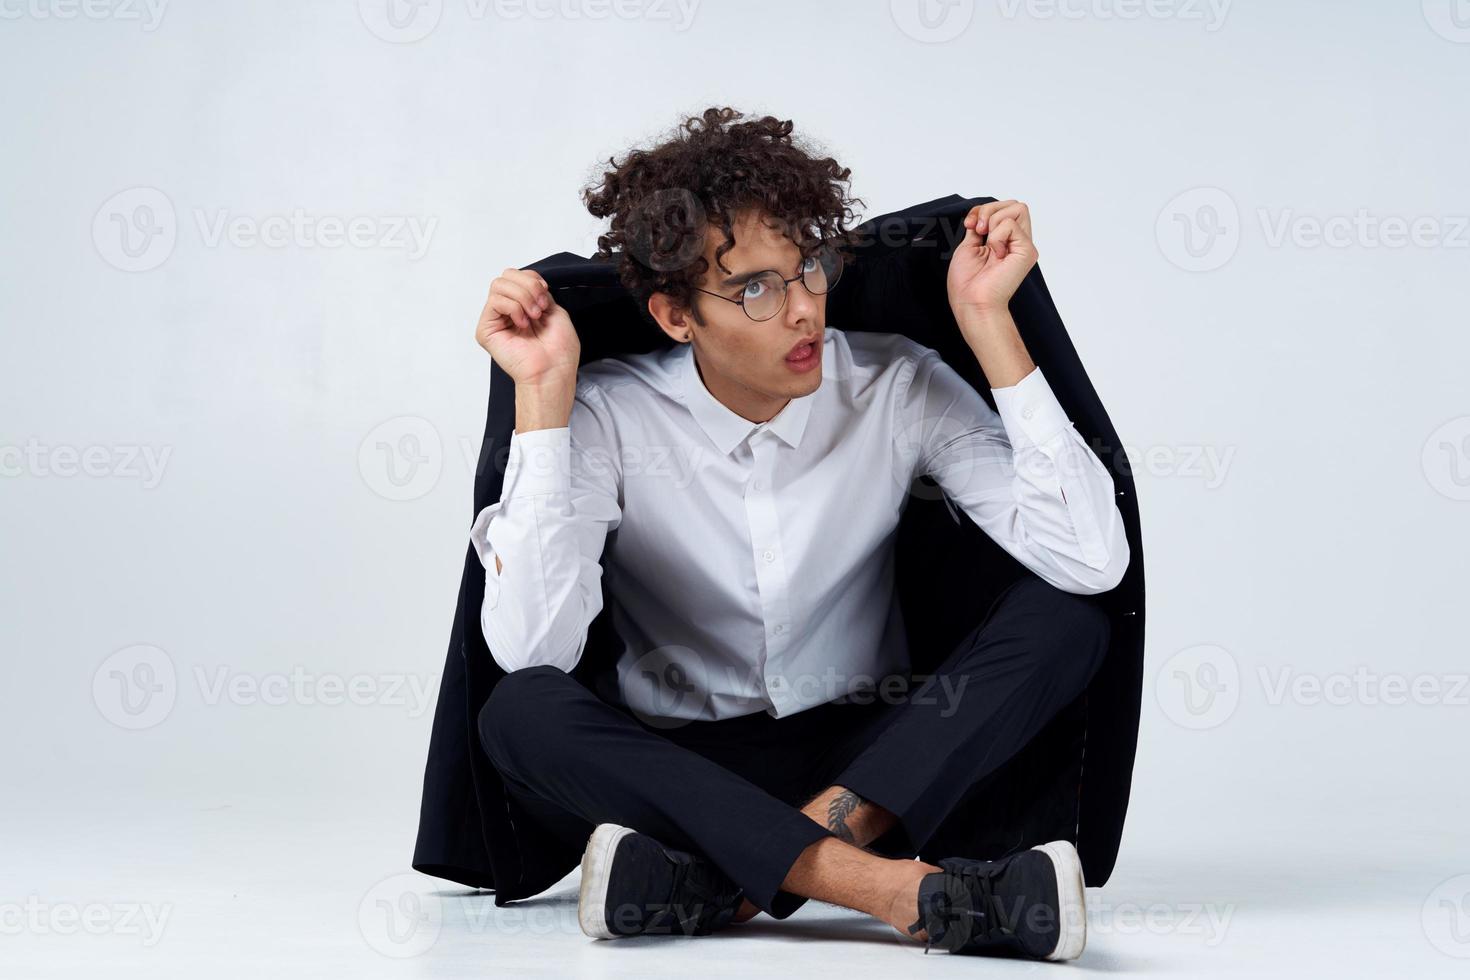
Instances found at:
x=244 y=246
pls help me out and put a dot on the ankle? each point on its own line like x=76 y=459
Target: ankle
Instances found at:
x=746 y=911
x=903 y=908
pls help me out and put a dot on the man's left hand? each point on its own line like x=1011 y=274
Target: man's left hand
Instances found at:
x=983 y=276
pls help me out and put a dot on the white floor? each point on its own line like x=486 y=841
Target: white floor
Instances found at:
x=307 y=889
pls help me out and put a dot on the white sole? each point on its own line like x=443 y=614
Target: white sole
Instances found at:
x=596 y=870
x=1071 y=904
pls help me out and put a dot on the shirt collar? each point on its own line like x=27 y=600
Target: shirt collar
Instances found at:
x=725 y=428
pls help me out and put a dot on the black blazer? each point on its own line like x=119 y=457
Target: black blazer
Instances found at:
x=947 y=571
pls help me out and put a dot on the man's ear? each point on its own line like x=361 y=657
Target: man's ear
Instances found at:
x=672 y=318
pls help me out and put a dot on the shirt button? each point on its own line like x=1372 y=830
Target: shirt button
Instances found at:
x=1027 y=412
x=779 y=628
x=758 y=485
x=769 y=555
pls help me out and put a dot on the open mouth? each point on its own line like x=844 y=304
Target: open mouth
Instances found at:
x=802 y=352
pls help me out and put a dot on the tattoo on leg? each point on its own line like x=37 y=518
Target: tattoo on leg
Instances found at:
x=842 y=807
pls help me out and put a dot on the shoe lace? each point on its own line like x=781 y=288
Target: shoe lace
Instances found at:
x=715 y=902
x=954 y=918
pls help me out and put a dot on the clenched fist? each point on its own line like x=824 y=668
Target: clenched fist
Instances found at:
x=526 y=332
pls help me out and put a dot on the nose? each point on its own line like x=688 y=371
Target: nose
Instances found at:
x=801 y=303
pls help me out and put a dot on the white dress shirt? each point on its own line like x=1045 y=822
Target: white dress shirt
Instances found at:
x=753 y=563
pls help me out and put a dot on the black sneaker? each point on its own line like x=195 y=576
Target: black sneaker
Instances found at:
x=632 y=885
x=1029 y=904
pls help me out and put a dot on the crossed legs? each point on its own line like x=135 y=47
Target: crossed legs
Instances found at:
x=897 y=776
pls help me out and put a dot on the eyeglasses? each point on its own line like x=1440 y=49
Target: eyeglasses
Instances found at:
x=764 y=294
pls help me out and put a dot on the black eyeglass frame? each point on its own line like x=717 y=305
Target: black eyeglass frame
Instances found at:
x=785 y=284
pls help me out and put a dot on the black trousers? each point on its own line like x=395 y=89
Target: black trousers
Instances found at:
x=732 y=789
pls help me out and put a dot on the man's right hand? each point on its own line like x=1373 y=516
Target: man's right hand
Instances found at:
x=526 y=332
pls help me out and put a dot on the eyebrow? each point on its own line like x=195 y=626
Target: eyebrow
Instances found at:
x=740 y=278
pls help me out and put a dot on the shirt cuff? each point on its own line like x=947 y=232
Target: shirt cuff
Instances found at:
x=1030 y=411
x=540 y=462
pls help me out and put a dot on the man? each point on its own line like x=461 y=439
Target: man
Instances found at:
x=745 y=484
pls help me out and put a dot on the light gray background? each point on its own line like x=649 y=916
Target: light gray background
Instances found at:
x=1297 y=408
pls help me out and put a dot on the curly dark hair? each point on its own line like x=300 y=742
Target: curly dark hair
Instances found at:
x=662 y=200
